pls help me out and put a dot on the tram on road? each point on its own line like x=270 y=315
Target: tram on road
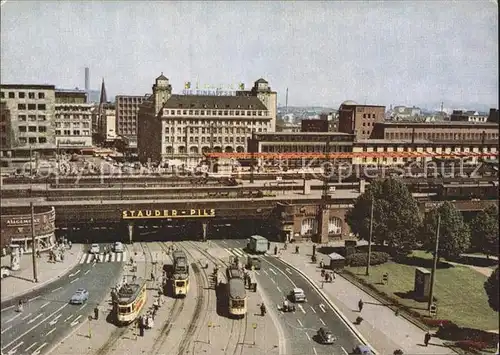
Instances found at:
x=129 y=300
x=237 y=298
x=180 y=275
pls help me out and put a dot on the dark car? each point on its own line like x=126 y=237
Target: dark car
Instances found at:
x=362 y=350
x=326 y=336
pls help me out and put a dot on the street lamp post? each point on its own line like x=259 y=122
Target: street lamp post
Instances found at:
x=370 y=240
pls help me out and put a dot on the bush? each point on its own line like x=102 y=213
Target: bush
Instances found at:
x=435 y=323
x=455 y=333
x=471 y=345
x=361 y=259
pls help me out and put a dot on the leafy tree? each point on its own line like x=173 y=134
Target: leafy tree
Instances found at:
x=484 y=228
x=454 y=233
x=491 y=287
x=396 y=216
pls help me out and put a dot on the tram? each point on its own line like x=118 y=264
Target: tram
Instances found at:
x=180 y=275
x=129 y=300
x=237 y=298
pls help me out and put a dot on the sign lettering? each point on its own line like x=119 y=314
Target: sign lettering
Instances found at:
x=150 y=214
x=216 y=92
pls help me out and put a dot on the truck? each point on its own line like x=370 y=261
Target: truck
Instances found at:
x=257 y=244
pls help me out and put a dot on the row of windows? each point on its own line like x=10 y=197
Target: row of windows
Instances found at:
x=368 y=115
x=72 y=124
x=40 y=107
x=74 y=116
x=217 y=123
x=216 y=113
x=205 y=139
x=214 y=130
x=32 y=118
x=303 y=149
x=441 y=135
x=22 y=95
x=76 y=132
x=32 y=140
x=368 y=124
x=41 y=129
x=427 y=149
x=195 y=150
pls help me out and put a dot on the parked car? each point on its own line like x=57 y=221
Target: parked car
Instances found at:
x=95 y=249
x=81 y=296
x=298 y=295
x=118 y=247
x=326 y=336
x=5 y=271
x=362 y=350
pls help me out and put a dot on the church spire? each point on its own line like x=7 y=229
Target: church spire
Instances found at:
x=103 y=99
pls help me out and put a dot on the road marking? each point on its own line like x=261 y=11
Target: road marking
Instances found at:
x=344 y=350
x=23 y=318
x=73 y=280
x=6 y=308
x=86 y=272
x=14 y=349
x=265 y=272
x=56 y=289
x=82 y=259
x=322 y=322
x=50 y=331
x=32 y=345
x=77 y=271
x=16 y=316
x=322 y=308
x=274 y=272
x=312 y=308
x=44 y=305
x=279 y=289
x=35 y=326
x=298 y=320
x=70 y=316
x=37 y=351
x=315 y=353
x=34 y=319
x=224 y=242
x=3 y=331
x=289 y=279
x=256 y=272
x=288 y=270
x=93 y=264
x=75 y=322
x=302 y=309
x=54 y=321
x=82 y=307
x=34 y=298
x=308 y=337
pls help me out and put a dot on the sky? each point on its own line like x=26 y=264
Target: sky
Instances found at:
x=396 y=52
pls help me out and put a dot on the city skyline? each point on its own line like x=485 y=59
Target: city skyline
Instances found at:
x=325 y=53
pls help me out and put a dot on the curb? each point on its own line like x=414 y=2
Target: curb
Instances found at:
x=346 y=321
x=39 y=285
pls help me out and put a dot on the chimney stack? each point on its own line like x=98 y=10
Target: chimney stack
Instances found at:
x=87 y=79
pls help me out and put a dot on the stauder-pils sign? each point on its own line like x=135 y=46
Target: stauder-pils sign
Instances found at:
x=151 y=214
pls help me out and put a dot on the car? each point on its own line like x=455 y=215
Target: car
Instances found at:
x=362 y=350
x=95 y=249
x=80 y=296
x=326 y=336
x=253 y=262
x=118 y=247
x=298 y=295
x=5 y=271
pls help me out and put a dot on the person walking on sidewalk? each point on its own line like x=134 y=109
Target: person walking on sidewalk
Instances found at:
x=427 y=338
x=96 y=313
x=360 y=305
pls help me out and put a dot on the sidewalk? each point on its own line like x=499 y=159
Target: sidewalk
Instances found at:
x=21 y=281
x=384 y=330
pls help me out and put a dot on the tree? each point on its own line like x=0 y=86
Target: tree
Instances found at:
x=396 y=216
x=491 y=287
x=454 y=233
x=484 y=228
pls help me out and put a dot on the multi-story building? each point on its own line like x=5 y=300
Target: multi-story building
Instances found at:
x=185 y=126
x=73 y=120
x=107 y=124
x=288 y=127
x=468 y=116
x=493 y=116
x=359 y=119
x=401 y=113
x=127 y=110
x=318 y=125
x=30 y=119
x=5 y=134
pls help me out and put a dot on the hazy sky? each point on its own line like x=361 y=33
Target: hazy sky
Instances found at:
x=408 y=52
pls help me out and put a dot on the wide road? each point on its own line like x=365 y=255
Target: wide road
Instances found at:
x=277 y=280
x=48 y=316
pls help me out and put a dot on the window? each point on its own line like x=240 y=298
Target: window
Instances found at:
x=196 y=112
x=32 y=129
x=42 y=118
x=20 y=106
x=31 y=106
x=32 y=139
x=58 y=132
x=184 y=112
x=22 y=117
x=67 y=132
x=202 y=112
x=76 y=132
x=2 y=95
x=22 y=95
x=12 y=95
x=220 y=113
x=86 y=125
x=23 y=140
x=42 y=140
x=237 y=113
x=22 y=128
x=31 y=95
x=190 y=112
x=42 y=129
x=32 y=118
x=41 y=95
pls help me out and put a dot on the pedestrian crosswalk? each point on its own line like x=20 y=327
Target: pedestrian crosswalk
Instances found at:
x=112 y=257
x=239 y=252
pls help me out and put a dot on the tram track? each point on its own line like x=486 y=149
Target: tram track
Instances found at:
x=119 y=332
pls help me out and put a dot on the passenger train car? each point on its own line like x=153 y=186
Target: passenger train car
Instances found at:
x=129 y=300
x=180 y=275
x=237 y=298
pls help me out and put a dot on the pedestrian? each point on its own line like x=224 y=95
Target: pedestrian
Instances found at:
x=360 y=305
x=96 y=313
x=140 y=320
x=427 y=338
x=297 y=249
x=333 y=275
x=152 y=276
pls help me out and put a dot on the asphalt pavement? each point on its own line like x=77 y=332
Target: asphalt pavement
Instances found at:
x=277 y=280
x=48 y=317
